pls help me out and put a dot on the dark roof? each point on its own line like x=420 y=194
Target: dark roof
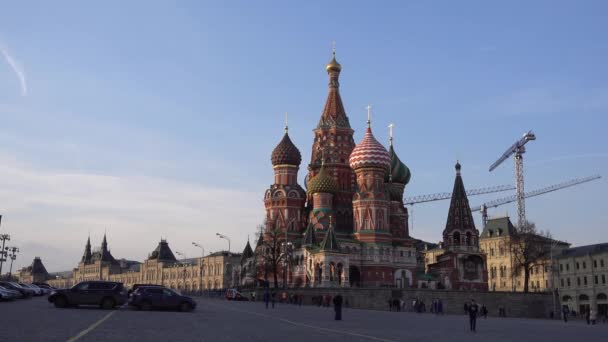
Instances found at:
x=309 y=237
x=330 y=243
x=162 y=252
x=225 y=253
x=585 y=250
x=247 y=252
x=286 y=152
x=459 y=216
x=333 y=112
x=499 y=226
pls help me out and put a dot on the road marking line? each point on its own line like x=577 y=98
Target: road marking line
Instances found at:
x=91 y=328
x=310 y=326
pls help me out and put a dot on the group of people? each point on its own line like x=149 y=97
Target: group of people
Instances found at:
x=271 y=295
x=589 y=314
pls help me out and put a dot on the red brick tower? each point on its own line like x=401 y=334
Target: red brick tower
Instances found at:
x=463 y=265
x=284 y=200
x=371 y=162
x=334 y=143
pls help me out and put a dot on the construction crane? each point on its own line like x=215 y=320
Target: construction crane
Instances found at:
x=448 y=195
x=518 y=149
x=495 y=203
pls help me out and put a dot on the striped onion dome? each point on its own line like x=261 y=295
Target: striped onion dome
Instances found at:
x=369 y=153
x=286 y=153
x=322 y=183
x=399 y=172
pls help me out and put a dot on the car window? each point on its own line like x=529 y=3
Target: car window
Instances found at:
x=169 y=292
x=82 y=286
x=154 y=291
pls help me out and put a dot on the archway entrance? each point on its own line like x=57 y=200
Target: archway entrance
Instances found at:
x=355 y=276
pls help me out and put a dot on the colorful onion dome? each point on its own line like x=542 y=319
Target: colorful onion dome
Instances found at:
x=333 y=65
x=399 y=172
x=369 y=153
x=286 y=153
x=322 y=183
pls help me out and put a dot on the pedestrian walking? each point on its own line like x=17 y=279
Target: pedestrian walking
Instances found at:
x=592 y=316
x=273 y=297
x=473 y=309
x=588 y=316
x=466 y=308
x=484 y=311
x=565 y=312
x=338 y=307
x=440 y=306
x=266 y=298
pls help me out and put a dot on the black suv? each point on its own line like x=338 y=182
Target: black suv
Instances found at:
x=106 y=294
x=149 y=297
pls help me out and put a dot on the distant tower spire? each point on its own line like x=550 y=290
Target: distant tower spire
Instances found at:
x=286 y=122
x=369 y=116
x=390 y=134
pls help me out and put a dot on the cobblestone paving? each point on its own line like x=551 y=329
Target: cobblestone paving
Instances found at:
x=219 y=320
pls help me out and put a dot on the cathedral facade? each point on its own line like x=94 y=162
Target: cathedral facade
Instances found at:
x=348 y=226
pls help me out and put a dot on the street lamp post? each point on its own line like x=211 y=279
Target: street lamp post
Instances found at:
x=3 y=252
x=553 y=269
x=201 y=247
x=222 y=236
x=13 y=255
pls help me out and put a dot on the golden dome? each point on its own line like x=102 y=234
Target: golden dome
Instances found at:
x=333 y=65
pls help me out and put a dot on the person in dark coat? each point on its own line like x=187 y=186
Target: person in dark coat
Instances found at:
x=338 y=307
x=473 y=309
x=273 y=297
x=565 y=312
x=266 y=298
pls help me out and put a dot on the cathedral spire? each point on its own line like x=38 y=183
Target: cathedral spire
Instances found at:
x=334 y=114
x=460 y=227
x=104 y=243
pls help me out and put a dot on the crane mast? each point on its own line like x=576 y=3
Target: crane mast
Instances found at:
x=518 y=149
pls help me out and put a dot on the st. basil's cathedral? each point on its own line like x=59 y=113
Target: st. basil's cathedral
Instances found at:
x=350 y=226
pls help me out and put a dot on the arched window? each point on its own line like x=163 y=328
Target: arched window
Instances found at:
x=456 y=238
x=601 y=296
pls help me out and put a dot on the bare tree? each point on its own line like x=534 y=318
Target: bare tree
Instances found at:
x=271 y=254
x=529 y=247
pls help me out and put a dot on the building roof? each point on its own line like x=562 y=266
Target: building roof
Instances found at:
x=224 y=253
x=309 y=238
x=162 y=252
x=334 y=114
x=459 y=216
x=399 y=172
x=286 y=153
x=247 y=252
x=585 y=250
x=369 y=153
x=499 y=226
x=322 y=182
x=330 y=243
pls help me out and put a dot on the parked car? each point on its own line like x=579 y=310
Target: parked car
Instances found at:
x=136 y=286
x=6 y=294
x=44 y=286
x=156 y=297
x=106 y=294
x=37 y=291
x=25 y=292
x=233 y=294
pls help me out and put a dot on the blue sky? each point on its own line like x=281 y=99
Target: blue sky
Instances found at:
x=150 y=119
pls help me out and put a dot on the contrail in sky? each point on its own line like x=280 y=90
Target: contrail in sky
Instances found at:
x=16 y=68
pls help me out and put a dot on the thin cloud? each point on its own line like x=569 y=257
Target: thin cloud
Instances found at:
x=17 y=68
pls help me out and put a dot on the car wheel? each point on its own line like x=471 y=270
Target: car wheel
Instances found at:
x=185 y=307
x=146 y=306
x=108 y=303
x=60 y=302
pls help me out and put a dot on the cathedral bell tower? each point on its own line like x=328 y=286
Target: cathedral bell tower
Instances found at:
x=284 y=200
x=333 y=145
x=370 y=161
